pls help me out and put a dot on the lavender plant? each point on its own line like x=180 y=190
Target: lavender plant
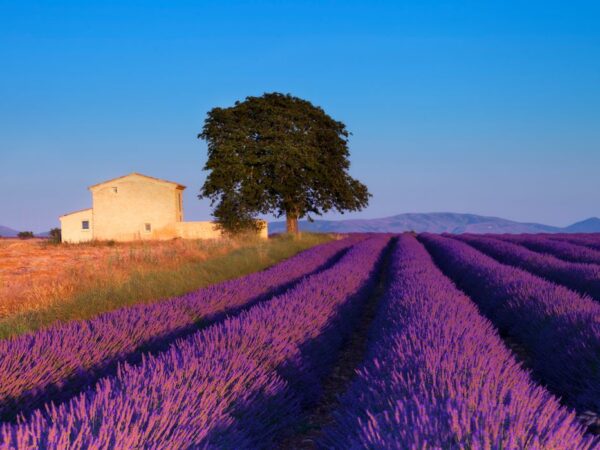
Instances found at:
x=590 y=240
x=437 y=375
x=232 y=385
x=562 y=249
x=584 y=278
x=558 y=329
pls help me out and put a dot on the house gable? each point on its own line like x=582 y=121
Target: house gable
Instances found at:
x=135 y=175
x=135 y=206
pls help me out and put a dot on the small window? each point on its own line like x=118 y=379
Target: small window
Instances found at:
x=114 y=189
x=148 y=227
x=85 y=224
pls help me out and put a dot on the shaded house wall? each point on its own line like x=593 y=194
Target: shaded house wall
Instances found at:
x=73 y=226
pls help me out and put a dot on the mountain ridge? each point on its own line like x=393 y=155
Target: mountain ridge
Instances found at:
x=591 y=225
x=438 y=222
x=11 y=232
x=7 y=231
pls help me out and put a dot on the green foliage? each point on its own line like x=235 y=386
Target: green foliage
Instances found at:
x=55 y=235
x=25 y=234
x=277 y=154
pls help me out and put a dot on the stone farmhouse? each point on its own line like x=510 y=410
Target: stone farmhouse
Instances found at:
x=134 y=207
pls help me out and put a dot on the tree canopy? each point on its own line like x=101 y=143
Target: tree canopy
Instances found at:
x=277 y=154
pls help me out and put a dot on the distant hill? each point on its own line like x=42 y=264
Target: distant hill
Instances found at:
x=591 y=225
x=7 y=232
x=438 y=223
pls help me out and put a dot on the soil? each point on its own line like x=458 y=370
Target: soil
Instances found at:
x=317 y=418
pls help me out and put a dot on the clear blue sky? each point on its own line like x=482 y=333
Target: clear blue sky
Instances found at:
x=466 y=106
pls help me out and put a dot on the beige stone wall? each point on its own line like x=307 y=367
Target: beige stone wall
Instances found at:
x=197 y=230
x=123 y=208
x=71 y=226
x=207 y=230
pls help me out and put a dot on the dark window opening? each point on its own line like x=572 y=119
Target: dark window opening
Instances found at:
x=148 y=227
x=85 y=224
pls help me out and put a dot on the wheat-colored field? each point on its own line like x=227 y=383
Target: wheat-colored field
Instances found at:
x=41 y=282
x=34 y=274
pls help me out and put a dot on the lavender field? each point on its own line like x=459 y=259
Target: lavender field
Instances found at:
x=372 y=341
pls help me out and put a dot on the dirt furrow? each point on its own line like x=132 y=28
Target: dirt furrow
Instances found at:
x=319 y=415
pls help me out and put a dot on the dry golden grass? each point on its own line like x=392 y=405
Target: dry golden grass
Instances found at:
x=43 y=283
x=35 y=274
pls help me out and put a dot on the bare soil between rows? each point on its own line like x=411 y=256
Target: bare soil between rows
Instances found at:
x=307 y=433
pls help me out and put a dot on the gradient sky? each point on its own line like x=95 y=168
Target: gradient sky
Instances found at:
x=466 y=106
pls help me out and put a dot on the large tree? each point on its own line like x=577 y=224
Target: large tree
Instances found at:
x=277 y=154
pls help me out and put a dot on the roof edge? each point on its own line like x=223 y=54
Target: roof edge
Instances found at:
x=75 y=212
x=178 y=185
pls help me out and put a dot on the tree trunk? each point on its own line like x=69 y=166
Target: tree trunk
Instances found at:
x=291 y=222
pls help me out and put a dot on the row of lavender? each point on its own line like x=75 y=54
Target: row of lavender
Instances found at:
x=233 y=385
x=591 y=240
x=557 y=329
x=437 y=375
x=555 y=246
x=584 y=278
x=58 y=362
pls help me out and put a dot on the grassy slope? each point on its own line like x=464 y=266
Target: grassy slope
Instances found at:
x=162 y=283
